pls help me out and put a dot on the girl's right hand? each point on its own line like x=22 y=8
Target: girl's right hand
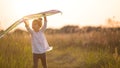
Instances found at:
x=26 y=22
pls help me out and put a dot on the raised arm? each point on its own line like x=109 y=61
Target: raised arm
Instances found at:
x=27 y=25
x=45 y=24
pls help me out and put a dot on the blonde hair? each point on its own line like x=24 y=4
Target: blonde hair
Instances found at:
x=38 y=21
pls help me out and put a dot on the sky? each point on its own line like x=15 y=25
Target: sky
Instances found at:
x=74 y=12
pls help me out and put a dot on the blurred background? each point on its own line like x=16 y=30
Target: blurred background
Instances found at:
x=86 y=35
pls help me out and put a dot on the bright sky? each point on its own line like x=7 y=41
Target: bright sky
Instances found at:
x=75 y=12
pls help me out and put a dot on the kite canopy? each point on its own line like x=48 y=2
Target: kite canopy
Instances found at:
x=31 y=16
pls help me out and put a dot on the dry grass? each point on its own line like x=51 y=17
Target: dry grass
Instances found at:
x=86 y=50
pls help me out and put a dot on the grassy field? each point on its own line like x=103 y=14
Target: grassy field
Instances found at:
x=78 y=50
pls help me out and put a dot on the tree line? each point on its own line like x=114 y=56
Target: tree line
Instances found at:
x=75 y=29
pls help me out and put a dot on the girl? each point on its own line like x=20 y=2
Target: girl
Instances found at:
x=39 y=43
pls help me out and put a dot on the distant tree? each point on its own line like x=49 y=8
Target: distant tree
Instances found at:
x=91 y=28
x=52 y=31
x=112 y=22
x=70 y=29
x=20 y=31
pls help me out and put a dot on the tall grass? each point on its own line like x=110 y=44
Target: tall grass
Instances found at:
x=78 y=50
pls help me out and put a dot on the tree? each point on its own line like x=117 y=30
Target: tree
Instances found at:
x=113 y=22
x=70 y=29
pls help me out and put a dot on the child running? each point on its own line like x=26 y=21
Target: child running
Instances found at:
x=39 y=43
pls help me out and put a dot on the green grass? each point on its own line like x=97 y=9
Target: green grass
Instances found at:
x=69 y=51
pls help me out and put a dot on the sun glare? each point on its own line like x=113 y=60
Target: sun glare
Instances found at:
x=22 y=8
x=75 y=12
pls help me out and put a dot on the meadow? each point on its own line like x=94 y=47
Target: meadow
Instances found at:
x=95 y=49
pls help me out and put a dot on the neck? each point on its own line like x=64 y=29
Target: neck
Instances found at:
x=36 y=30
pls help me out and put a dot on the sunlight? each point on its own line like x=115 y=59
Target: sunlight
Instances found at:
x=75 y=12
x=22 y=8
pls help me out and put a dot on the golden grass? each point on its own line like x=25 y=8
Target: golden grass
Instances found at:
x=86 y=50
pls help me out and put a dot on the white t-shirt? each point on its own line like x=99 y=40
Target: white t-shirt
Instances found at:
x=39 y=42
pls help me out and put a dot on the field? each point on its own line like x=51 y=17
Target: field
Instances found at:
x=72 y=50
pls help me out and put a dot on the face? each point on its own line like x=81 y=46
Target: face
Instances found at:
x=36 y=24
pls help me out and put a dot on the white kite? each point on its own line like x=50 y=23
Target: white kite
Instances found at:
x=32 y=16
